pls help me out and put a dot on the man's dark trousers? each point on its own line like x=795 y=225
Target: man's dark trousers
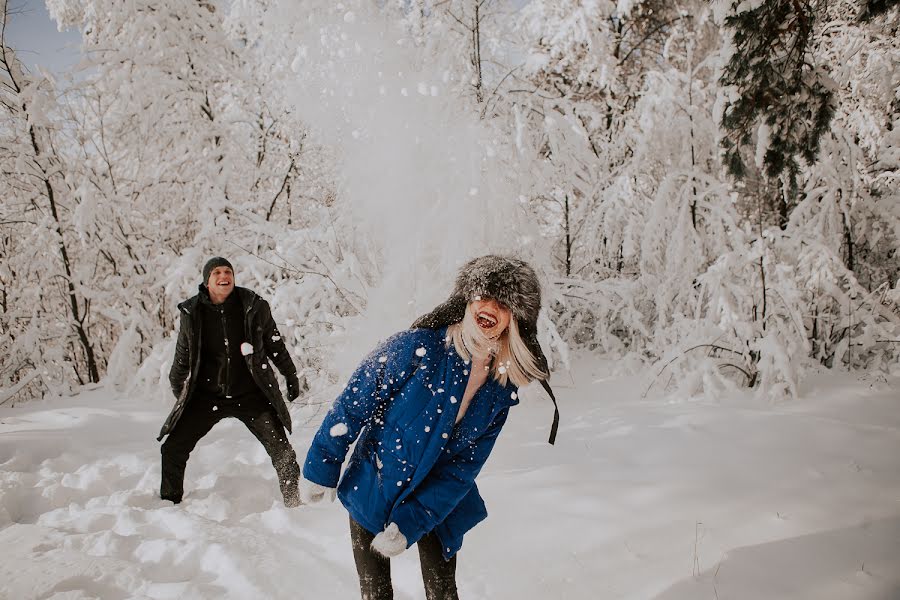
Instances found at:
x=201 y=414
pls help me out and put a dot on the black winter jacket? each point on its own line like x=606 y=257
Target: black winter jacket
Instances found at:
x=265 y=342
x=222 y=370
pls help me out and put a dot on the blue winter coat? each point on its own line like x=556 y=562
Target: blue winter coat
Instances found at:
x=412 y=464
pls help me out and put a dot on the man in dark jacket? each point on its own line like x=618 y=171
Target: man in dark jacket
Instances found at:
x=221 y=369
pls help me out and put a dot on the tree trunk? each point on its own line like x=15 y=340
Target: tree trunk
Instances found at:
x=476 y=51
x=568 y=240
x=848 y=240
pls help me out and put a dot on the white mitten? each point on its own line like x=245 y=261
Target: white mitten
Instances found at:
x=389 y=542
x=313 y=493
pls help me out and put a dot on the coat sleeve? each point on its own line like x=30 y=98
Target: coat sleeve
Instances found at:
x=373 y=382
x=444 y=487
x=274 y=343
x=181 y=364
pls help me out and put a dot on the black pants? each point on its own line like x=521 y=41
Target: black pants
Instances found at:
x=438 y=575
x=199 y=416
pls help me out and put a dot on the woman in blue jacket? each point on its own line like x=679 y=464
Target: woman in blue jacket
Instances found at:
x=427 y=406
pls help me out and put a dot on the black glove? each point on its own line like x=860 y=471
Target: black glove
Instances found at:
x=293 y=388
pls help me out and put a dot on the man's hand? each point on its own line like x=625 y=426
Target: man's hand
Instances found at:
x=313 y=493
x=293 y=388
x=389 y=542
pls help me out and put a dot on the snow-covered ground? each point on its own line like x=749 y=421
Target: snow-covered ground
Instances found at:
x=639 y=499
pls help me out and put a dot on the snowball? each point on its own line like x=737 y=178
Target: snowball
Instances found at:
x=420 y=352
x=427 y=429
x=276 y=338
x=246 y=348
x=338 y=430
x=382 y=359
x=514 y=395
x=452 y=399
x=444 y=435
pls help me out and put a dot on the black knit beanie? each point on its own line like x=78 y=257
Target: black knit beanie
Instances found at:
x=216 y=261
x=505 y=279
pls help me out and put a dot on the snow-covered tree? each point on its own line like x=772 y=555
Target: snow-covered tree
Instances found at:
x=48 y=312
x=343 y=153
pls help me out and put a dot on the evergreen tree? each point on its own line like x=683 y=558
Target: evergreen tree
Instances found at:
x=777 y=82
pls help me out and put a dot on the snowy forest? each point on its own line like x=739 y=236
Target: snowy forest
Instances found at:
x=711 y=191
x=708 y=191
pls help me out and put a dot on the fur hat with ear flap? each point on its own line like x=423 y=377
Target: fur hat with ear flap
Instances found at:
x=508 y=280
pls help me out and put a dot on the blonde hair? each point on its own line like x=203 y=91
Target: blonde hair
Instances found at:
x=512 y=360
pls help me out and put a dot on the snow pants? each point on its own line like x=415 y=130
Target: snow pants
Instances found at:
x=201 y=414
x=438 y=575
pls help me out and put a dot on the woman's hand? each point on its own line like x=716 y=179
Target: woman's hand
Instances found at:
x=313 y=493
x=389 y=542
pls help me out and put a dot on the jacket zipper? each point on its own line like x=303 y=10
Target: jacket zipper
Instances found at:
x=248 y=334
x=195 y=363
x=225 y=386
